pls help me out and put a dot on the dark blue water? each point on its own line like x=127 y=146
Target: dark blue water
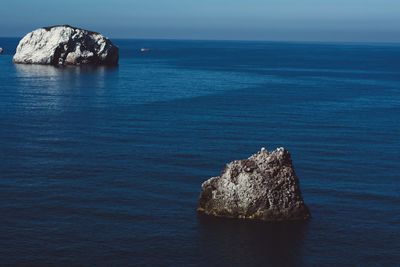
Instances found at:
x=103 y=166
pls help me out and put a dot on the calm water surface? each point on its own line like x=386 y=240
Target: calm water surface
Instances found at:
x=103 y=166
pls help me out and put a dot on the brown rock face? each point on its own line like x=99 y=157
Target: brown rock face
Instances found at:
x=263 y=187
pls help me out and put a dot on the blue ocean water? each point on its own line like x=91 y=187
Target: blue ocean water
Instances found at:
x=103 y=166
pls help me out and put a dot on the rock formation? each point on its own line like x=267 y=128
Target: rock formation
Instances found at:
x=263 y=187
x=66 y=45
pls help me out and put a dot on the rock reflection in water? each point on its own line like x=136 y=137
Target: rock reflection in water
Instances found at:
x=36 y=70
x=235 y=242
x=62 y=88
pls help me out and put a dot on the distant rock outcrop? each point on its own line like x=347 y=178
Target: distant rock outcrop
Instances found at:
x=263 y=187
x=66 y=45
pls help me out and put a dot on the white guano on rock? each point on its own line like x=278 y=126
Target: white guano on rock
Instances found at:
x=66 y=45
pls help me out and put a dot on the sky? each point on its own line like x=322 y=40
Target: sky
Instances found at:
x=273 y=20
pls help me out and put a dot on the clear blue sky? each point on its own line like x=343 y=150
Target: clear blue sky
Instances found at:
x=296 y=20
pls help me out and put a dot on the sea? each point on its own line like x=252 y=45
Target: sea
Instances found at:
x=103 y=166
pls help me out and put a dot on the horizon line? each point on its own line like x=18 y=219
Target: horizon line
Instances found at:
x=242 y=40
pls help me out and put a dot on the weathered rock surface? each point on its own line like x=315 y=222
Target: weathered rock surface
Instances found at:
x=66 y=45
x=263 y=187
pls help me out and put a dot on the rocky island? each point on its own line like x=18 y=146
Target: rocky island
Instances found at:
x=66 y=45
x=263 y=187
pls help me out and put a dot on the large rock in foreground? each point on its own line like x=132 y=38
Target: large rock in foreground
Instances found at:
x=263 y=187
x=66 y=45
